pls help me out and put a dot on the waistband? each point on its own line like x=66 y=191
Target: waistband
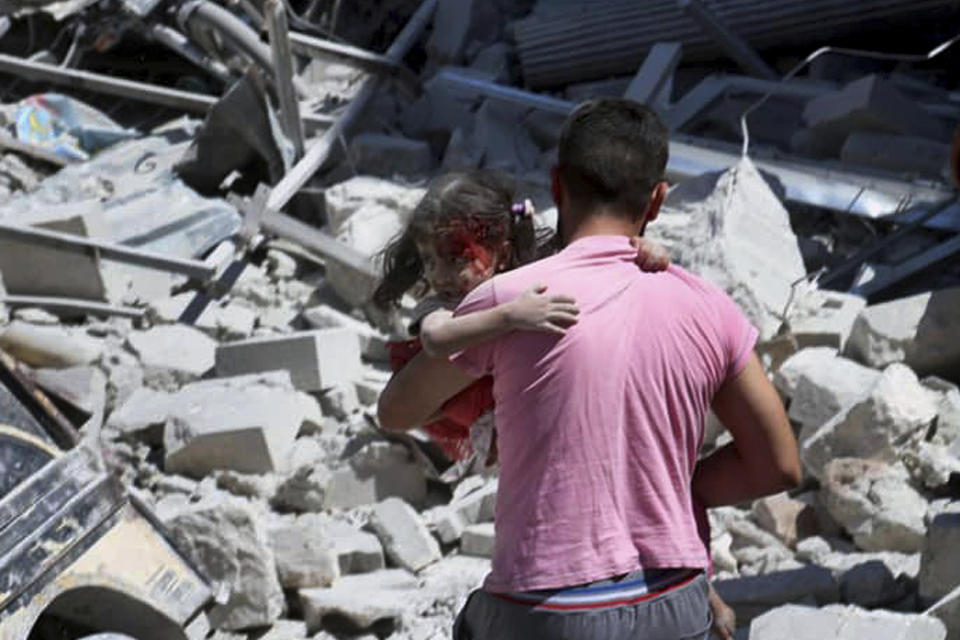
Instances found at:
x=627 y=590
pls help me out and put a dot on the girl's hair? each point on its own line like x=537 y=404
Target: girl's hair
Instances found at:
x=470 y=208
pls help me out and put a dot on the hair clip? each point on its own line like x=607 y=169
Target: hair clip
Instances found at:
x=521 y=210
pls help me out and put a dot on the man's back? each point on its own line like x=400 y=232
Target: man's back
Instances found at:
x=599 y=430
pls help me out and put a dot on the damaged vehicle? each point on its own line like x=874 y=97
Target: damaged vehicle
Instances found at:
x=80 y=556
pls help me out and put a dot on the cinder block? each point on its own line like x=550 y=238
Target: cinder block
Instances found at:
x=478 y=540
x=315 y=359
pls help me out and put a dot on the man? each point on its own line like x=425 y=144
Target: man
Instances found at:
x=599 y=429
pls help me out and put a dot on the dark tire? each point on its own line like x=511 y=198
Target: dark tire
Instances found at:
x=108 y=636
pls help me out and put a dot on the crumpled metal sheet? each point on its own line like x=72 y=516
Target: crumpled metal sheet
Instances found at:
x=57 y=10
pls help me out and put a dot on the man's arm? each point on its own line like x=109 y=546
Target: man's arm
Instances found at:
x=416 y=392
x=763 y=457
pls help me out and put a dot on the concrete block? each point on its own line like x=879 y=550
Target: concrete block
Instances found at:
x=373 y=344
x=84 y=388
x=315 y=359
x=181 y=350
x=819 y=384
x=478 y=505
x=875 y=504
x=753 y=596
x=869 y=104
x=304 y=557
x=404 y=535
x=357 y=551
x=506 y=144
x=386 y=155
x=247 y=424
x=875 y=426
x=840 y=622
x=54 y=347
x=446 y=523
x=304 y=491
x=824 y=318
x=940 y=561
x=903 y=154
x=225 y=536
x=344 y=199
x=918 y=330
x=785 y=517
x=478 y=540
x=378 y=471
x=363 y=599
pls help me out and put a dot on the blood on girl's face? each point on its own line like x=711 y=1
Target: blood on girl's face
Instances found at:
x=453 y=274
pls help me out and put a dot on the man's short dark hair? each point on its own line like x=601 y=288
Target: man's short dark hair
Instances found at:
x=612 y=152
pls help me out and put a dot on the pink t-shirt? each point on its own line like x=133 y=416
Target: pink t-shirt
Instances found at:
x=599 y=430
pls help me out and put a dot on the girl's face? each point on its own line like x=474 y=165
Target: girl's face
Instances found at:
x=453 y=274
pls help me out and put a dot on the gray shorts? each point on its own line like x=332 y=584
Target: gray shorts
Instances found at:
x=682 y=613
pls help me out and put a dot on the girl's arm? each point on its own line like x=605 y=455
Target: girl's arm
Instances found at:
x=442 y=334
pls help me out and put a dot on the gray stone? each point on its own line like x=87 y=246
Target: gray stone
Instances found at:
x=874 y=502
x=280 y=265
x=948 y=418
x=362 y=599
x=477 y=505
x=906 y=154
x=824 y=318
x=919 y=330
x=285 y=630
x=404 y=535
x=247 y=424
x=875 y=427
x=869 y=104
x=751 y=596
x=479 y=540
x=304 y=491
x=304 y=557
x=357 y=551
x=124 y=376
x=940 y=561
x=387 y=155
x=347 y=198
x=378 y=471
x=315 y=359
x=226 y=538
x=247 y=485
x=930 y=465
x=54 y=347
x=373 y=344
x=84 y=388
x=871 y=584
x=839 y=622
x=340 y=402
x=785 y=517
x=506 y=145
x=142 y=414
x=732 y=229
x=819 y=383
x=183 y=351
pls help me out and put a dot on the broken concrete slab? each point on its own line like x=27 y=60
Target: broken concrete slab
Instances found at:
x=732 y=229
x=357 y=551
x=940 y=561
x=752 y=596
x=948 y=417
x=460 y=25
x=404 y=535
x=384 y=155
x=141 y=415
x=877 y=425
x=840 y=622
x=227 y=539
x=905 y=154
x=479 y=540
x=247 y=424
x=373 y=344
x=304 y=491
x=344 y=199
x=785 y=517
x=315 y=359
x=819 y=383
x=869 y=104
x=875 y=504
x=53 y=347
x=506 y=145
x=918 y=330
x=378 y=471
x=824 y=318
x=182 y=351
x=304 y=557
x=83 y=388
x=363 y=599
x=930 y=464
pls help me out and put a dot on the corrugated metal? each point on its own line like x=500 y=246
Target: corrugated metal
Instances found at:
x=564 y=41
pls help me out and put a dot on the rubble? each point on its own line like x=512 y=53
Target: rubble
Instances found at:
x=53 y=347
x=226 y=538
x=939 y=567
x=315 y=359
x=179 y=351
x=362 y=600
x=303 y=556
x=844 y=623
x=377 y=471
x=404 y=535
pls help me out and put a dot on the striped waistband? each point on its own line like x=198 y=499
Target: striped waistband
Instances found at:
x=631 y=589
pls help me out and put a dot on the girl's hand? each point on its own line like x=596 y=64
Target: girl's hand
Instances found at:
x=650 y=256
x=724 y=619
x=534 y=311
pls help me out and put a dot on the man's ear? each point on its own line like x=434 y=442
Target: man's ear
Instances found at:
x=657 y=197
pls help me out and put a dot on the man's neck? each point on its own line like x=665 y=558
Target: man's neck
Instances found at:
x=601 y=223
